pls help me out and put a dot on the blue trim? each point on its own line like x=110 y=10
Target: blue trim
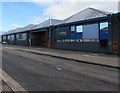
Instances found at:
x=39 y=28
x=21 y=32
x=88 y=20
x=28 y=30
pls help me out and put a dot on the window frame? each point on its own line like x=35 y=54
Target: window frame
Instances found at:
x=77 y=28
x=74 y=28
x=101 y=29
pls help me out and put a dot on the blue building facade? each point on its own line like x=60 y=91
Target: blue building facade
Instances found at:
x=90 y=30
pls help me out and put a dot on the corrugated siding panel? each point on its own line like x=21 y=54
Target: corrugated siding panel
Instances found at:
x=104 y=34
x=76 y=35
x=91 y=31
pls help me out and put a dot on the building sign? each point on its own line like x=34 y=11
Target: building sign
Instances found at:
x=63 y=33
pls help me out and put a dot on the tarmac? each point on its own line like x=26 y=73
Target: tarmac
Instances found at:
x=107 y=60
x=78 y=56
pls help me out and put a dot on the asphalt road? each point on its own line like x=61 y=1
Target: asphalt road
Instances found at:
x=44 y=73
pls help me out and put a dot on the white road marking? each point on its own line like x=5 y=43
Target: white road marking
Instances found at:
x=59 y=69
x=94 y=55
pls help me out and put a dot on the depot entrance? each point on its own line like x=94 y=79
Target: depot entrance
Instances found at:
x=38 y=39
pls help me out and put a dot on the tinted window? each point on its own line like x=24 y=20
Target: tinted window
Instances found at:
x=104 y=26
x=79 y=28
x=72 y=28
x=21 y=36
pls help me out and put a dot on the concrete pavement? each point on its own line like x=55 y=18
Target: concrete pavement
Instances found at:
x=5 y=87
x=85 y=57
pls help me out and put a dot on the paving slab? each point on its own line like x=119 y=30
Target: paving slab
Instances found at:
x=6 y=88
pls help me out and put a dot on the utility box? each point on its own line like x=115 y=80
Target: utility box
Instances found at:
x=114 y=33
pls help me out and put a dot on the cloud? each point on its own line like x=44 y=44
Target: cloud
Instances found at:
x=15 y=25
x=37 y=20
x=65 y=9
x=61 y=9
x=59 y=0
x=119 y=6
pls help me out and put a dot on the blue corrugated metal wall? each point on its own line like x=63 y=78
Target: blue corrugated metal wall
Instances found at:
x=76 y=35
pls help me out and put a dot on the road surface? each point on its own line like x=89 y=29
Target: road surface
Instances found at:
x=44 y=73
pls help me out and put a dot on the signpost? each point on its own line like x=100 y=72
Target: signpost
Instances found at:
x=30 y=42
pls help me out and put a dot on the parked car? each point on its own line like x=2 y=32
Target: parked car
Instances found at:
x=4 y=42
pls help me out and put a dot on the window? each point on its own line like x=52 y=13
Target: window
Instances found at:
x=21 y=36
x=67 y=40
x=86 y=40
x=8 y=37
x=73 y=40
x=104 y=31
x=24 y=35
x=79 y=28
x=79 y=40
x=90 y=40
x=64 y=40
x=94 y=40
x=11 y=37
x=104 y=26
x=73 y=28
x=4 y=37
x=17 y=36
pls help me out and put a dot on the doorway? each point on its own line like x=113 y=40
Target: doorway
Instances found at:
x=104 y=43
x=38 y=39
x=43 y=38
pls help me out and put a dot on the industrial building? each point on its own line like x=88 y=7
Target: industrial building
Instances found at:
x=90 y=30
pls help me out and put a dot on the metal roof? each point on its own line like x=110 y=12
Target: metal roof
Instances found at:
x=18 y=29
x=88 y=13
x=49 y=22
x=7 y=32
x=26 y=28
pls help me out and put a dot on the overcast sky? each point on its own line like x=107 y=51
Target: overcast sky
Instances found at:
x=19 y=13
